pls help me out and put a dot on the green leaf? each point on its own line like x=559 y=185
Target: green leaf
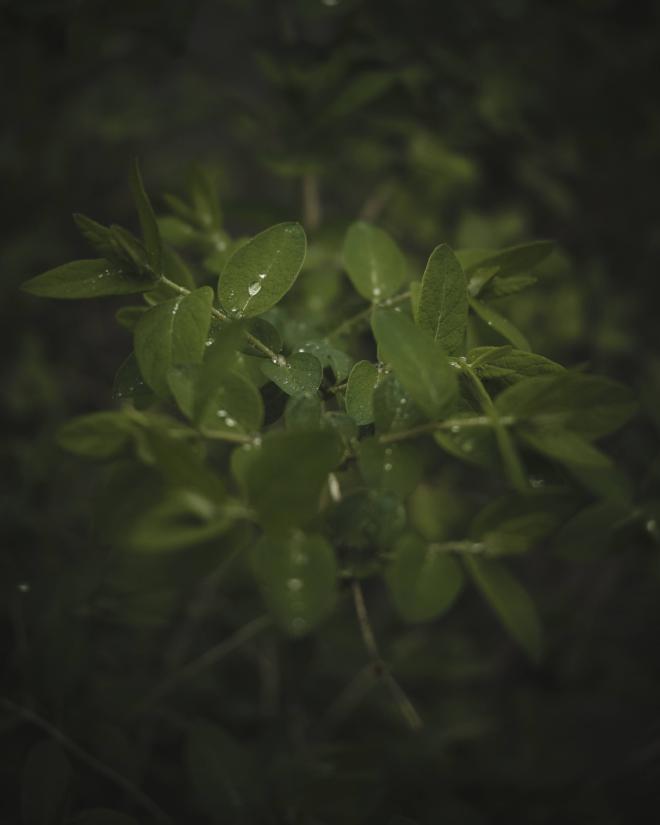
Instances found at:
x=394 y=409
x=299 y=373
x=337 y=360
x=564 y=446
x=509 y=366
x=500 y=324
x=172 y=333
x=396 y=467
x=373 y=261
x=443 y=303
x=45 y=784
x=589 y=533
x=231 y=403
x=266 y=333
x=129 y=384
x=97 y=435
x=150 y=232
x=86 y=279
x=297 y=576
x=516 y=523
x=128 y=317
x=99 y=237
x=420 y=364
x=510 y=601
x=499 y=287
x=362 y=89
x=285 y=475
x=587 y=404
x=103 y=816
x=183 y=518
x=222 y=773
x=262 y=271
x=303 y=412
x=363 y=520
x=424 y=581
x=360 y=392
x=511 y=261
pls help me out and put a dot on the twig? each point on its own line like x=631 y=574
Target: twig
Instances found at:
x=87 y=758
x=378 y=666
x=311 y=201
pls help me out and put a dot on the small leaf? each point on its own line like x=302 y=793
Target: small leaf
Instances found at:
x=396 y=467
x=511 y=261
x=299 y=373
x=172 y=333
x=303 y=412
x=500 y=324
x=297 y=576
x=262 y=271
x=284 y=476
x=394 y=409
x=499 y=287
x=98 y=236
x=443 y=302
x=150 y=232
x=509 y=366
x=589 y=533
x=45 y=784
x=373 y=261
x=424 y=581
x=420 y=364
x=129 y=384
x=86 y=279
x=231 y=403
x=360 y=392
x=97 y=435
x=128 y=317
x=510 y=601
x=337 y=360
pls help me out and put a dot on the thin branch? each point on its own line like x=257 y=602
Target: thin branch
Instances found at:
x=453 y=424
x=207 y=659
x=87 y=758
x=311 y=199
x=378 y=666
x=346 y=325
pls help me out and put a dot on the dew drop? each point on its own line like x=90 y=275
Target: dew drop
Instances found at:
x=23 y=587
x=388 y=467
x=281 y=361
x=455 y=429
x=535 y=482
x=294 y=585
x=376 y=291
x=222 y=413
x=262 y=276
x=230 y=422
x=209 y=341
x=651 y=525
x=254 y=288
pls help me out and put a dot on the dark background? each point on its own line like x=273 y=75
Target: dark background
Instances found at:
x=481 y=124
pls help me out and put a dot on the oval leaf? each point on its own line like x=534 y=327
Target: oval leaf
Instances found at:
x=86 y=279
x=262 y=271
x=420 y=364
x=172 y=333
x=360 y=392
x=424 y=581
x=396 y=467
x=373 y=261
x=299 y=373
x=443 y=302
x=298 y=579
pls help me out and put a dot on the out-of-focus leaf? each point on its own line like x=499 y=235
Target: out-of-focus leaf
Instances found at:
x=45 y=784
x=97 y=435
x=396 y=467
x=373 y=261
x=500 y=324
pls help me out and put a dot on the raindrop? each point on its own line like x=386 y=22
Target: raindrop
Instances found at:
x=230 y=422
x=262 y=276
x=376 y=291
x=23 y=587
x=651 y=525
x=536 y=482
x=388 y=467
x=281 y=361
x=455 y=429
x=294 y=585
x=209 y=341
x=222 y=413
x=254 y=288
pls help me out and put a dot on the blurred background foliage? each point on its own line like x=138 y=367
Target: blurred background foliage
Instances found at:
x=482 y=124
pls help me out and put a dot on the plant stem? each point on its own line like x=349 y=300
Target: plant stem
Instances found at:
x=311 y=199
x=252 y=339
x=378 y=666
x=91 y=761
x=448 y=424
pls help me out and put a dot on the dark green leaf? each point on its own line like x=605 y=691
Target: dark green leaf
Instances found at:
x=509 y=366
x=98 y=435
x=337 y=360
x=500 y=324
x=284 y=476
x=373 y=261
x=360 y=392
x=150 y=231
x=512 y=261
x=86 y=279
x=298 y=578
x=396 y=467
x=262 y=271
x=394 y=409
x=299 y=373
x=99 y=237
x=128 y=317
x=510 y=601
x=589 y=533
x=172 y=333
x=424 y=581
x=443 y=302
x=130 y=385
x=420 y=364
x=499 y=287
x=564 y=446
x=303 y=412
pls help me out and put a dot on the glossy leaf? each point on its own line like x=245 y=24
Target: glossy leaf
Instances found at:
x=510 y=601
x=420 y=364
x=299 y=373
x=360 y=391
x=172 y=333
x=443 y=302
x=373 y=261
x=262 y=271
x=500 y=324
x=45 y=783
x=86 y=279
x=424 y=581
x=285 y=475
x=297 y=576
